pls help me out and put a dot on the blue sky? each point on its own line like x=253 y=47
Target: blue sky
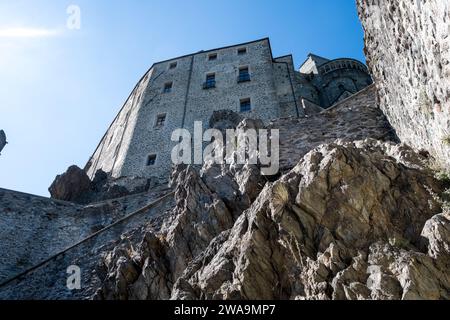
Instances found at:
x=61 y=88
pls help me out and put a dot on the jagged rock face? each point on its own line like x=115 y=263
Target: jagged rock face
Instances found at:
x=408 y=53
x=75 y=186
x=199 y=216
x=224 y=119
x=351 y=221
x=71 y=185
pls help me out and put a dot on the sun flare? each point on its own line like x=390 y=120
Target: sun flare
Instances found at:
x=27 y=32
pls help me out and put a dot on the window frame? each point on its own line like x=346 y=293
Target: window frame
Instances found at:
x=242 y=51
x=244 y=77
x=213 y=56
x=158 y=117
x=173 y=65
x=151 y=160
x=168 y=87
x=245 y=101
x=209 y=83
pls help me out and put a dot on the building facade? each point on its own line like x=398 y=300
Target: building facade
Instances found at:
x=243 y=78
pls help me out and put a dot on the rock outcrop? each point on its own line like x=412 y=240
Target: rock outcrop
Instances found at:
x=354 y=220
x=75 y=186
x=71 y=185
x=408 y=54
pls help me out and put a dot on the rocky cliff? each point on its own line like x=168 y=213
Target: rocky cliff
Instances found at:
x=356 y=212
x=355 y=220
x=355 y=215
x=408 y=54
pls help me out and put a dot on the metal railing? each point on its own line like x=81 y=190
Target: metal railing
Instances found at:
x=245 y=77
x=92 y=236
x=209 y=84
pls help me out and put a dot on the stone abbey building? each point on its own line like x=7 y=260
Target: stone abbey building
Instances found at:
x=244 y=78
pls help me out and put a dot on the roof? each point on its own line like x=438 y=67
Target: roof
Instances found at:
x=217 y=49
x=316 y=58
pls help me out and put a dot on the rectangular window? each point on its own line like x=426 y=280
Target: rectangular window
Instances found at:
x=210 y=81
x=244 y=75
x=242 y=51
x=212 y=57
x=173 y=65
x=151 y=160
x=246 y=105
x=160 y=120
x=168 y=87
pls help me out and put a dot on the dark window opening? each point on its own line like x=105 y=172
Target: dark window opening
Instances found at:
x=160 y=120
x=210 y=81
x=242 y=51
x=246 y=105
x=168 y=87
x=173 y=65
x=151 y=160
x=212 y=57
x=244 y=75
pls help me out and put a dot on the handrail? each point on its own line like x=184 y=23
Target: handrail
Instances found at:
x=40 y=264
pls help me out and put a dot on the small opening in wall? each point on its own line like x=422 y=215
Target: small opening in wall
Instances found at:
x=151 y=160
x=173 y=65
x=244 y=74
x=168 y=87
x=212 y=57
x=160 y=120
x=246 y=105
x=242 y=51
x=210 y=81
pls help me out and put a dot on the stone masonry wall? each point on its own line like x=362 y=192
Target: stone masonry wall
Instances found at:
x=134 y=136
x=275 y=91
x=355 y=118
x=408 y=53
x=52 y=275
x=32 y=228
x=110 y=153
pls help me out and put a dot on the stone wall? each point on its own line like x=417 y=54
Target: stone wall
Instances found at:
x=49 y=280
x=408 y=53
x=134 y=136
x=355 y=118
x=111 y=151
x=275 y=90
x=32 y=228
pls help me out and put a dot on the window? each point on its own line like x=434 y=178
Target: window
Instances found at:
x=210 y=81
x=173 y=65
x=246 y=105
x=151 y=160
x=160 y=120
x=242 y=51
x=244 y=75
x=168 y=87
x=212 y=57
